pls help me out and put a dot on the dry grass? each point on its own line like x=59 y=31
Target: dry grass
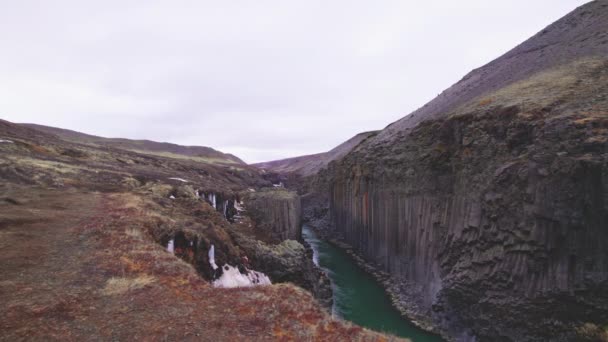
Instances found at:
x=539 y=90
x=116 y=286
x=134 y=233
x=206 y=160
x=485 y=102
x=592 y=332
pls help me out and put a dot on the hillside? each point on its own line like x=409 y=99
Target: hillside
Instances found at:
x=487 y=208
x=104 y=243
x=581 y=33
x=197 y=153
x=311 y=164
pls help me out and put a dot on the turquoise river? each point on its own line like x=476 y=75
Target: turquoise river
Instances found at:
x=358 y=297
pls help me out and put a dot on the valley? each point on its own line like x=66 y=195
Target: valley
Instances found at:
x=480 y=216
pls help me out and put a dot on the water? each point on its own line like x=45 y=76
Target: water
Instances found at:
x=358 y=297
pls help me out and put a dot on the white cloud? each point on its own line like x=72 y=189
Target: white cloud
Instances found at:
x=261 y=79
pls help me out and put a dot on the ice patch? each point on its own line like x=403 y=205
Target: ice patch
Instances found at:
x=179 y=179
x=6 y=141
x=170 y=246
x=172 y=197
x=232 y=277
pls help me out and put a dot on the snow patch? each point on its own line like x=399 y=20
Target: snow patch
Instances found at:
x=232 y=277
x=172 y=197
x=6 y=141
x=171 y=246
x=179 y=179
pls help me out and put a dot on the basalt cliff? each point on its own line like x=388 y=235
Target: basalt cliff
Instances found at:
x=488 y=207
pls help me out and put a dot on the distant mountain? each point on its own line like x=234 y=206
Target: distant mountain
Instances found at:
x=311 y=164
x=196 y=153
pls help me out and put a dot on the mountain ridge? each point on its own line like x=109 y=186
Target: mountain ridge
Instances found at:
x=310 y=164
x=166 y=149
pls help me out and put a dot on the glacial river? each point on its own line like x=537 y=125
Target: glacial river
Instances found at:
x=358 y=297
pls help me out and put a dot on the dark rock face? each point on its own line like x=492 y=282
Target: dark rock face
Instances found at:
x=492 y=221
x=276 y=210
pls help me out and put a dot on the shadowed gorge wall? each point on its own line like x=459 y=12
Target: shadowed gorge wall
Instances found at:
x=493 y=220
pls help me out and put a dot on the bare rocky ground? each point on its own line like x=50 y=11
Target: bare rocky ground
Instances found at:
x=82 y=257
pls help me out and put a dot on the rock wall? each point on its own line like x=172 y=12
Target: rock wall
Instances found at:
x=288 y=261
x=492 y=222
x=276 y=210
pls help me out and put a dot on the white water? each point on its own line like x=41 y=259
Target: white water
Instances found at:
x=232 y=277
x=212 y=257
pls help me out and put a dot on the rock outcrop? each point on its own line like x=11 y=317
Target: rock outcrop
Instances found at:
x=283 y=256
x=276 y=211
x=288 y=261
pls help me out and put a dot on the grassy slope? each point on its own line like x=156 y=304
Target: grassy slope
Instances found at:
x=197 y=153
x=80 y=266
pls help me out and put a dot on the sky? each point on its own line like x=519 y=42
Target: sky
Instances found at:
x=261 y=79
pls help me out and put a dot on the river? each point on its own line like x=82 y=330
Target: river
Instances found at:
x=358 y=297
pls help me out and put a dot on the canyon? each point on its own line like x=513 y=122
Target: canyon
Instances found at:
x=485 y=211
x=483 y=215
x=106 y=241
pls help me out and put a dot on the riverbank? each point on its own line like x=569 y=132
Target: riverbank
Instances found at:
x=358 y=294
x=405 y=306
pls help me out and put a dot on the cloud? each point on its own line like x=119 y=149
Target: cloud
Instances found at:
x=260 y=79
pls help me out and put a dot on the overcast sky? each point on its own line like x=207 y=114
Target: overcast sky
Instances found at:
x=260 y=79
